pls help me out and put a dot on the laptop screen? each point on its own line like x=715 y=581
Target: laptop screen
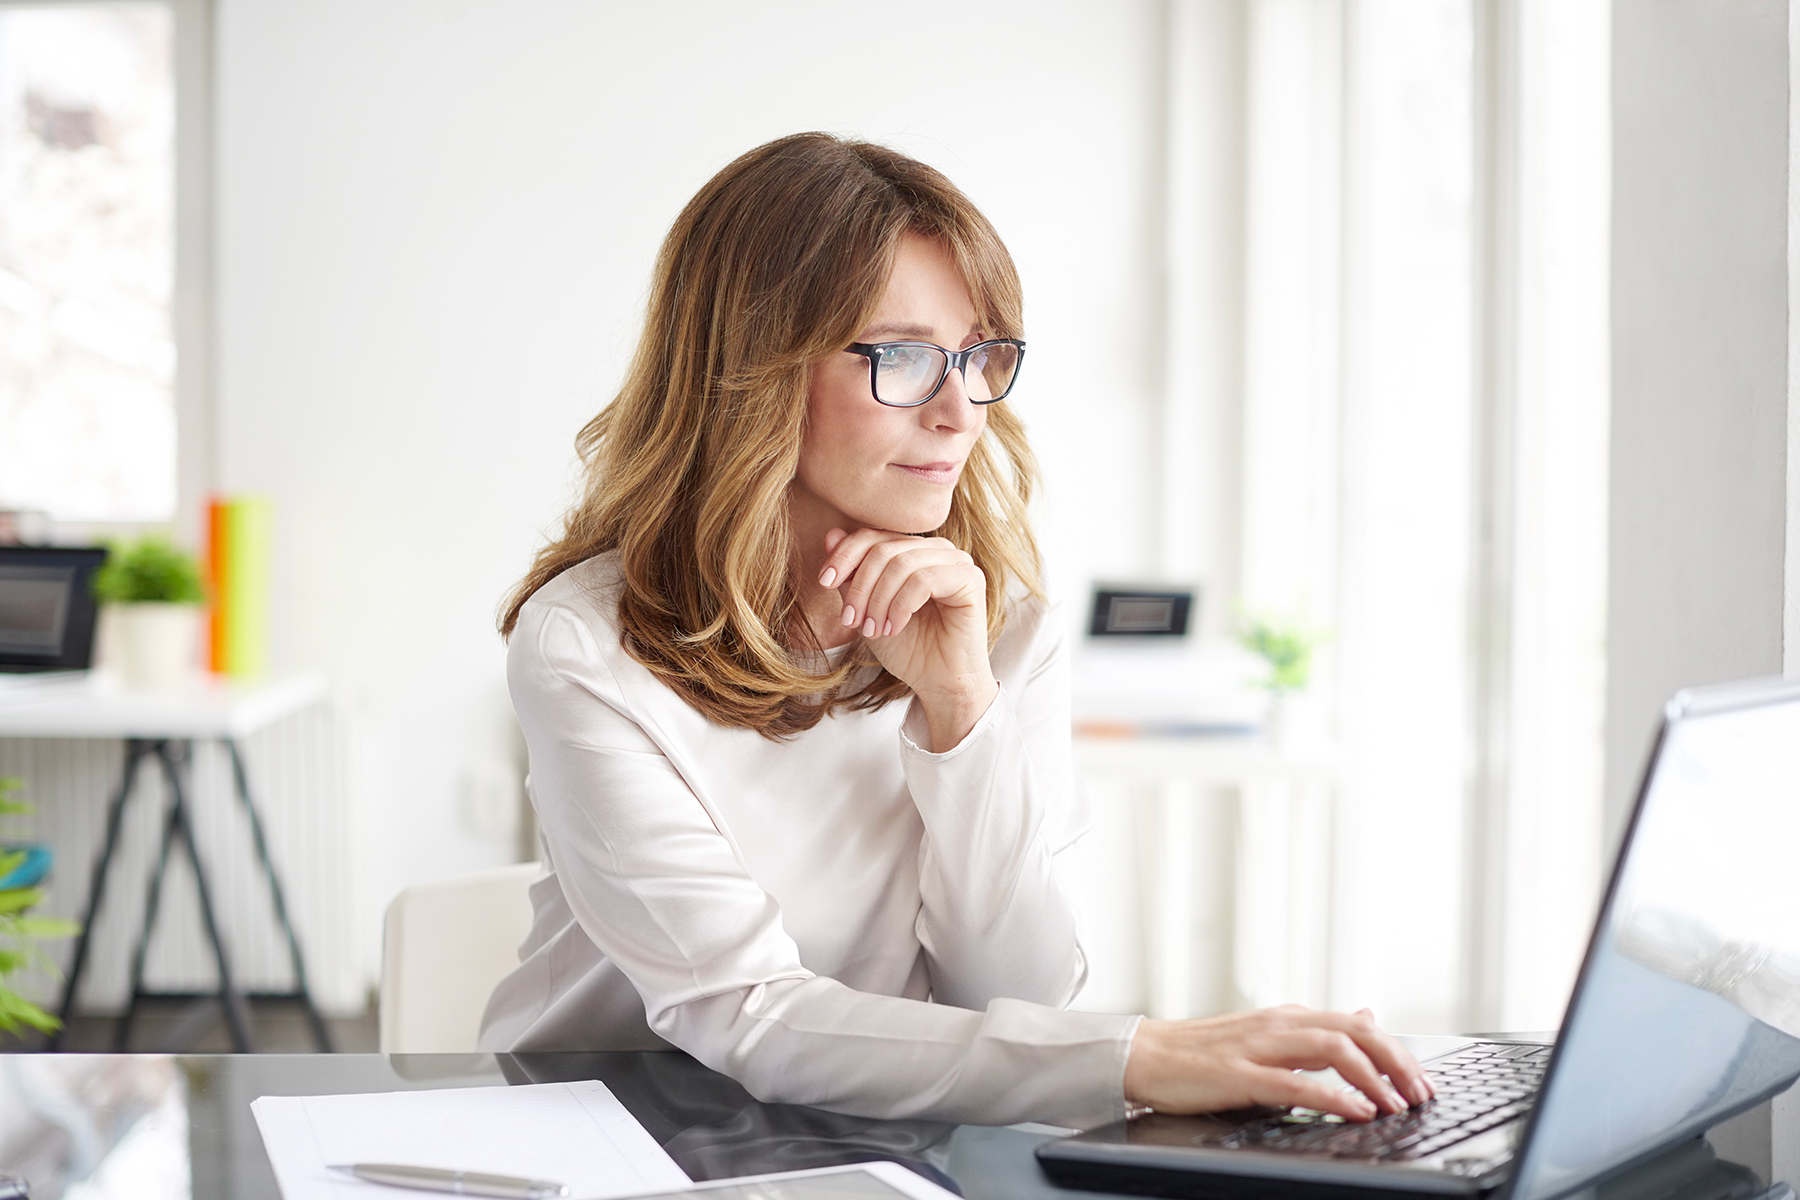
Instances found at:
x=1688 y=1007
x=34 y=605
x=46 y=607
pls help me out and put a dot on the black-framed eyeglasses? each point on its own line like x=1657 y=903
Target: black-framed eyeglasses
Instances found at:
x=907 y=374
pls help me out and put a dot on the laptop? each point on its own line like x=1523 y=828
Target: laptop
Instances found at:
x=1686 y=1011
x=47 y=608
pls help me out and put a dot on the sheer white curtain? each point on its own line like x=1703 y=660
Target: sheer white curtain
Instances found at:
x=1424 y=385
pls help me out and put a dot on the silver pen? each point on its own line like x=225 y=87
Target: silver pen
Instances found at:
x=459 y=1183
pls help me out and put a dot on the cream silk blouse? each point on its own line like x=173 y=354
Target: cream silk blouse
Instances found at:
x=842 y=919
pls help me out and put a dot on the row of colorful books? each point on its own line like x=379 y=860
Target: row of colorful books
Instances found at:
x=238 y=535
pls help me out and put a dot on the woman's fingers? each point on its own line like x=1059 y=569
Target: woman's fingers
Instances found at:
x=845 y=555
x=910 y=579
x=1289 y=1089
x=872 y=568
x=1256 y=1058
x=1384 y=1051
x=1315 y=1048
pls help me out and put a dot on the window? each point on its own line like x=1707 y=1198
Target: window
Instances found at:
x=87 y=261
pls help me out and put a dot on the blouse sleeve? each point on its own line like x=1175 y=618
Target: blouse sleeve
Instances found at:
x=662 y=893
x=997 y=807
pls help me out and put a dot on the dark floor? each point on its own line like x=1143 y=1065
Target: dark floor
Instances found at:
x=195 y=1027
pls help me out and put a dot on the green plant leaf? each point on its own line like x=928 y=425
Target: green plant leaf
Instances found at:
x=21 y=932
x=149 y=570
x=1286 y=646
x=15 y=1010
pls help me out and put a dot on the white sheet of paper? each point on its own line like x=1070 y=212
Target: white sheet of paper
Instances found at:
x=573 y=1133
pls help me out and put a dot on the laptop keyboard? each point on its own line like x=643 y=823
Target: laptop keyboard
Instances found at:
x=1478 y=1088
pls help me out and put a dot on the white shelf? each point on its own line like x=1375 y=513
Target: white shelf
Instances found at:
x=97 y=706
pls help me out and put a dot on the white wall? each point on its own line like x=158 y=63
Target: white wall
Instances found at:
x=1700 y=503
x=436 y=220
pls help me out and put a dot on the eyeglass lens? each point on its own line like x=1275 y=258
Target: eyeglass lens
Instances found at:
x=906 y=374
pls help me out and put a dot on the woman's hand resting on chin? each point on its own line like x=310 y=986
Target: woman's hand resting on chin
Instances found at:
x=922 y=607
x=1245 y=1059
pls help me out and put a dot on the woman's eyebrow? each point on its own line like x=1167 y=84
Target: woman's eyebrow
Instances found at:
x=910 y=331
x=921 y=332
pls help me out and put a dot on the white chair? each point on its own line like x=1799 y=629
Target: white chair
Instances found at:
x=444 y=947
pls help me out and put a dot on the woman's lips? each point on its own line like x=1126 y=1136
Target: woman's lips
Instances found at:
x=936 y=472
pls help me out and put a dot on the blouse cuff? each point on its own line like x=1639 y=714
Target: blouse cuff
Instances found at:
x=915 y=730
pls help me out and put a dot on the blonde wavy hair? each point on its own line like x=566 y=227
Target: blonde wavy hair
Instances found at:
x=777 y=264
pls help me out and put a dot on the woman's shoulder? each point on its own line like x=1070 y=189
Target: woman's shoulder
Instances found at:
x=574 y=618
x=591 y=585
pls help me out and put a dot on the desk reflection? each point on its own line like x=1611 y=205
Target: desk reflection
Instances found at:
x=179 y=1127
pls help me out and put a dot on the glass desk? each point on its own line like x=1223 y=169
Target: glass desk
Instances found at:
x=162 y=1127
x=179 y=1127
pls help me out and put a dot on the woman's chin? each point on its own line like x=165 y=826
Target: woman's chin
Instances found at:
x=921 y=519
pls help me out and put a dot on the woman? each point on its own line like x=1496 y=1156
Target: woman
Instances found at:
x=798 y=713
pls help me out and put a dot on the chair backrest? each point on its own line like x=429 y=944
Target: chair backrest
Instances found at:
x=444 y=947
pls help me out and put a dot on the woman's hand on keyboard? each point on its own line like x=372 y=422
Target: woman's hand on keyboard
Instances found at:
x=1245 y=1059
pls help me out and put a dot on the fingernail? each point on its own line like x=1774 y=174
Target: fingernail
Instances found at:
x=849 y=615
x=1399 y=1102
x=828 y=577
x=887 y=630
x=1366 y=1107
x=869 y=627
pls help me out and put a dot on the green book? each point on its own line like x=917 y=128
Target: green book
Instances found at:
x=249 y=525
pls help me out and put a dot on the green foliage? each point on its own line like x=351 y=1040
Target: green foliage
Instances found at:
x=20 y=933
x=1287 y=646
x=149 y=569
x=9 y=797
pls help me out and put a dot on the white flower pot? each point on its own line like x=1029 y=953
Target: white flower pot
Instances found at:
x=1293 y=722
x=158 y=644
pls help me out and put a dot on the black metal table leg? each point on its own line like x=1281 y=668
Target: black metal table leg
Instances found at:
x=175 y=755
x=135 y=751
x=301 y=987
x=152 y=900
x=237 y=1014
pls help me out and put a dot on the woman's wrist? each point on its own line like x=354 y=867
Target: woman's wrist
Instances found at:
x=950 y=714
x=1141 y=1062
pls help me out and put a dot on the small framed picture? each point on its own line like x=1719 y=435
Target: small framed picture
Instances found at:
x=1156 y=611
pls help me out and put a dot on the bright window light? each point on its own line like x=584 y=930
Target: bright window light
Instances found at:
x=87 y=351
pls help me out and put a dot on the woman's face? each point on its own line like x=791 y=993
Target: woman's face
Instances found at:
x=865 y=464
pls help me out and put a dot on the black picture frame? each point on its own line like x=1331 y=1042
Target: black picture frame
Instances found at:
x=1140 y=612
x=68 y=645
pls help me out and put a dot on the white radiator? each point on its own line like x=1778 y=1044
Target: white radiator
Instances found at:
x=300 y=777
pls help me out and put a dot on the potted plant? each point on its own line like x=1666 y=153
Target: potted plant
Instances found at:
x=1287 y=647
x=156 y=591
x=21 y=932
